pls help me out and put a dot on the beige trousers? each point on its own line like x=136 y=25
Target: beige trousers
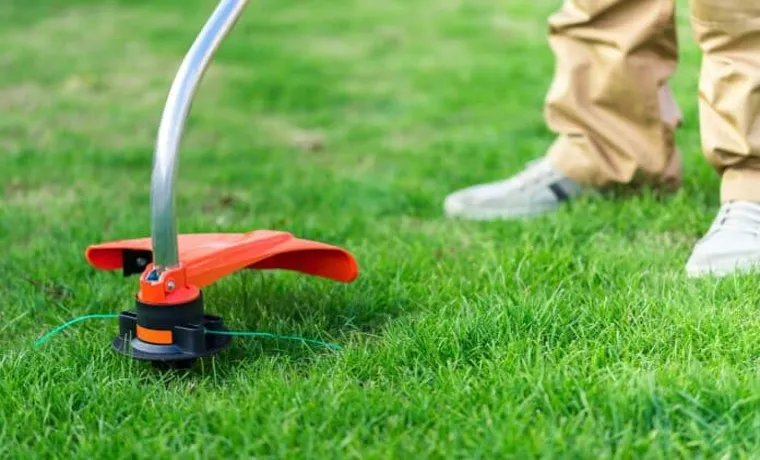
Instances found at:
x=614 y=113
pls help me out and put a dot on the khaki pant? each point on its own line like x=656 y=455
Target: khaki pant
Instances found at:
x=612 y=108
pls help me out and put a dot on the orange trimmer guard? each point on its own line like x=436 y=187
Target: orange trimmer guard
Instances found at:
x=169 y=324
x=209 y=257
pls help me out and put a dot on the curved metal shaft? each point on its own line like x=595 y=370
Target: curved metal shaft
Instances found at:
x=164 y=219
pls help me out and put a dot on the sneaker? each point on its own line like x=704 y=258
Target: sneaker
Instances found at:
x=538 y=189
x=732 y=245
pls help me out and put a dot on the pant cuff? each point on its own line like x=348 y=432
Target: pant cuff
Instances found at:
x=571 y=156
x=572 y=161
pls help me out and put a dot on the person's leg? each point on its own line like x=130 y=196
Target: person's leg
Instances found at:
x=609 y=103
x=728 y=32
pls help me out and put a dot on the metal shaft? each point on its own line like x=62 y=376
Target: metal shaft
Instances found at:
x=165 y=159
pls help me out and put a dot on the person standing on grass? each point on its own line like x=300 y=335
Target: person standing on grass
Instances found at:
x=615 y=119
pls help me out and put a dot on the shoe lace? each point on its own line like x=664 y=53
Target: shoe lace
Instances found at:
x=738 y=216
x=532 y=174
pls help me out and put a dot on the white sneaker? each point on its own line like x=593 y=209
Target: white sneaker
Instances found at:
x=732 y=245
x=536 y=190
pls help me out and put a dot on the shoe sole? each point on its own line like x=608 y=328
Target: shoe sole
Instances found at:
x=455 y=212
x=720 y=269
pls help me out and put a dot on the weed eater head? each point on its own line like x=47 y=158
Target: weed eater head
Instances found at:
x=169 y=323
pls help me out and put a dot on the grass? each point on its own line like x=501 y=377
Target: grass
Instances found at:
x=345 y=121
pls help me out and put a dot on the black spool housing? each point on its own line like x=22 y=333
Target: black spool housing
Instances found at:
x=188 y=325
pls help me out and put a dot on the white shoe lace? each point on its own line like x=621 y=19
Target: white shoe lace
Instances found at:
x=534 y=173
x=738 y=216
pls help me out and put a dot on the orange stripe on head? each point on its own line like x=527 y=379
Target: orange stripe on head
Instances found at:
x=154 y=336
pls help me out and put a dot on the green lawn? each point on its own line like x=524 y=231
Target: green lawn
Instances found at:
x=348 y=121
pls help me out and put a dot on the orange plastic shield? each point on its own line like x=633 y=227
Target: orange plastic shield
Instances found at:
x=209 y=257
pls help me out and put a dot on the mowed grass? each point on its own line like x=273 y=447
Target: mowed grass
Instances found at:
x=348 y=122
